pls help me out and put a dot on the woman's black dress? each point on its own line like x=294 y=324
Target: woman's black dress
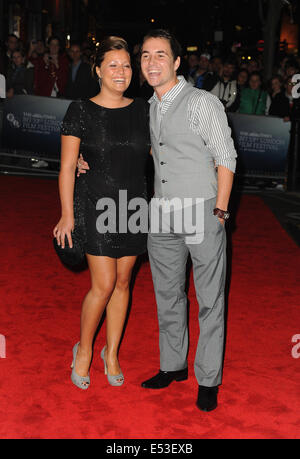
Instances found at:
x=115 y=142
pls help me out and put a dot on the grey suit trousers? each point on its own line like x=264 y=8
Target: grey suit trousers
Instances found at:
x=168 y=254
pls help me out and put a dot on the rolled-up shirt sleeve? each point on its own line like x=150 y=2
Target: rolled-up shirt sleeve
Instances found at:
x=209 y=120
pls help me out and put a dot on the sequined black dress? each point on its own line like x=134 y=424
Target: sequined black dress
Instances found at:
x=115 y=143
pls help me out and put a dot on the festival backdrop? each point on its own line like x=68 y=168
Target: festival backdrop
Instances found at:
x=32 y=123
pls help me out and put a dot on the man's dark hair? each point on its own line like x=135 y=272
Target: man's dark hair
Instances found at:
x=54 y=37
x=12 y=35
x=162 y=33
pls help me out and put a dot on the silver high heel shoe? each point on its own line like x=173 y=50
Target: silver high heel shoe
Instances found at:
x=82 y=382
x=114 y=380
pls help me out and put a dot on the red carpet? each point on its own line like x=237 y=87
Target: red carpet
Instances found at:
x=39 y=316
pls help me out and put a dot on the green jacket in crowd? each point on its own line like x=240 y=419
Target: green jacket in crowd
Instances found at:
x=253 y=101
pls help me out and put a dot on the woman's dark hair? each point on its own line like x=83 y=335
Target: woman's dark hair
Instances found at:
x=161 y=33
x=108 y=44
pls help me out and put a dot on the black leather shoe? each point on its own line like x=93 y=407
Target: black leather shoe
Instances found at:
x=164 y=379
x=207 y=398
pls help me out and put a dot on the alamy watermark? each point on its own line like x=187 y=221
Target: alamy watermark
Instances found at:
x=296 y=82
x=296 y=348
x=2 y=347
x=176 y=215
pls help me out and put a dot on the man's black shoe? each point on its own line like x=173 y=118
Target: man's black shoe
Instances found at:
x=207 y=398
x=164 y=379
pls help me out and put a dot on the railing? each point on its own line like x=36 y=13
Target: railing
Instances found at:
x=30 y=135
x=30 y=132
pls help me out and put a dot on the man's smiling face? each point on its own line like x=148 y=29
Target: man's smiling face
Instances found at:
x=158 y=65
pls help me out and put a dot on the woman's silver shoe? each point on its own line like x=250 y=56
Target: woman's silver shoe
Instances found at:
x=114 y=380
x=82 y=382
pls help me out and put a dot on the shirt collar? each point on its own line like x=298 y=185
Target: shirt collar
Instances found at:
x=172 y=93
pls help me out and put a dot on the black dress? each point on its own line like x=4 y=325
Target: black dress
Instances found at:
x=116 y=143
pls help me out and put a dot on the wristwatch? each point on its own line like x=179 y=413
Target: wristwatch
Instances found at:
x=222 y=213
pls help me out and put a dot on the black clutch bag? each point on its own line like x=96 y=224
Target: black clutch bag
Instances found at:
x=74 y=258
x=71 y=257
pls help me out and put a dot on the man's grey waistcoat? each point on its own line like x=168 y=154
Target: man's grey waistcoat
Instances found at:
x=184 y=166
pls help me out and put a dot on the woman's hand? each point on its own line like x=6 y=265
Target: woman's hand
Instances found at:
x=82 y=165
x=64 y=227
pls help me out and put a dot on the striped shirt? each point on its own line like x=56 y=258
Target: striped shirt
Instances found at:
x=207 y=119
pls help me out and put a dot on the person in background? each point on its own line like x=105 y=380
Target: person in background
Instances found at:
x=50 y=70
x=254 y=99
x=242 y=79
x=80 y=83
x=288 y=86
x=87 y=52
x=20 y=78
x=253 y=66
x=215 y=65
x=224 y=86
x=37 y=49
x=40 y=47
x=184 y=70
x=281 y=68
x=291 y=67
x=201 y=73
x=193 y=63
x=280 y=104
x=139 y=86
x=12 y=43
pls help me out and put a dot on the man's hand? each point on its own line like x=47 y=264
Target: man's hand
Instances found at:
x=82 y=166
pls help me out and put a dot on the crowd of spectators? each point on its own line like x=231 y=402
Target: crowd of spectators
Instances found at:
x=47 y=70
x=238 y=83
x=53 y=71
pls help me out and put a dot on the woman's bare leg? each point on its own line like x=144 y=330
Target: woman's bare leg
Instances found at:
x=103 y=272
x=116 y=312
